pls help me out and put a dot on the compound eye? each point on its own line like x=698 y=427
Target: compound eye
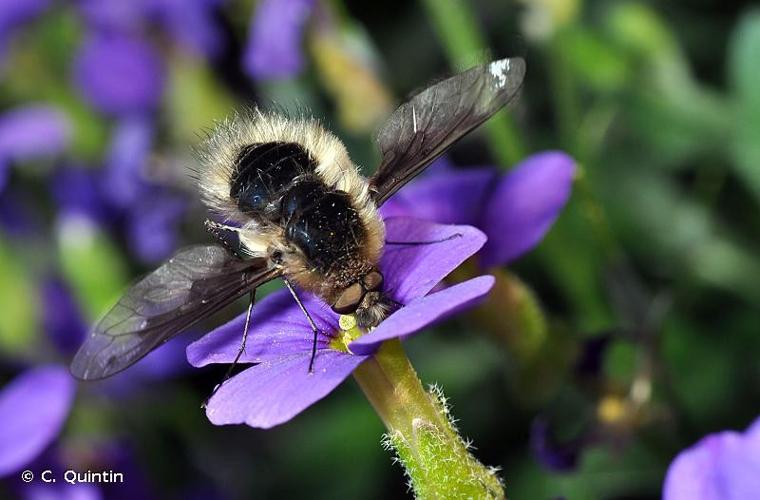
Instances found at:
x=349 y=299
x=373 y=281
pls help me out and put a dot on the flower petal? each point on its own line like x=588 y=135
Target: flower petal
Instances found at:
x=423 y=312
x=61 y=316
x=721 y=466
x=278 y=328
x=274 y=44
x=118 y=74
x=192 y=24
x=524 y=205
x=33 y=132
x=450 y=196
x=411 y=271
x=33 y=408
x=276 y=390
x=153 y=225
x=128 y=153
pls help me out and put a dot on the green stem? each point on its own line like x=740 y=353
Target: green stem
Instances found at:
x=458 y=31
x=434 y=456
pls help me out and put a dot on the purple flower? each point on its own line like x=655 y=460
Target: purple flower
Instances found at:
x=33 y=408
x=152 y=225
x=61 y=317
x=14 y=13
x=114 y=15
x=128 y=153
x=276 y=34
x=118 y=74
x=514 y=210
x=555 y=456
x=191 y=24
x=31 y=132
x=280 y=385
x=77 y=193
x=722 y=466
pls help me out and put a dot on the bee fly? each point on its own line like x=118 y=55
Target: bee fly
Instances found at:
x=295 y=207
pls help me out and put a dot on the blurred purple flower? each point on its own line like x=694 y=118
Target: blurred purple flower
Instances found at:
x=152 y=226
x=118 y=74
x=192 y=24
x=14 y=13
x=274 y=49
x=555 y=456
x=19 y=215
x=114 y=15
x=128 y=153
x=280 y=385
x=150 y=223
x=33 y=408
x=61 y=317
x=30 y=132
x=77 y=193
x=515 y=210
x=721 y=466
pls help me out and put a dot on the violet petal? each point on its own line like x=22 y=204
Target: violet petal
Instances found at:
x=451 y=196
x=128 y=153
x=274 y=45
x=276 y=390
x=278 y=328
x=412 y=271
x=114 y=15
x=33 y=132
x=118 y=74
x=153 y=225
x=61 y=316
x=423 y=312
x=192 y=24
x=77 y=192
x=33 y=408
x=524 y=206
x=721 y=466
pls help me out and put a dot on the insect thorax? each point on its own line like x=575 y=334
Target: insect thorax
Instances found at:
x=277 y=184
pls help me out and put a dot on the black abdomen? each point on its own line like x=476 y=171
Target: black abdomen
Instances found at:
x=324 y=225
x=277 y=182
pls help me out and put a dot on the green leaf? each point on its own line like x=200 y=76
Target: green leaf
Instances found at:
x=596 y=62
x=195 y=99
x=744 y=72
x=18 y=321
x=92 y=265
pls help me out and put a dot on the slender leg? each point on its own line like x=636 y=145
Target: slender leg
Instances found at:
x=311 y=323
x=418 y=243
x=240 y=351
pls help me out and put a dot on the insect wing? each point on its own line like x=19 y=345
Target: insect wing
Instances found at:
x=423 y=128
x=195 y=283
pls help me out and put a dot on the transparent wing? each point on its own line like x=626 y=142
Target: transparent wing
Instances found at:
x=423 y=128
x=197 y=282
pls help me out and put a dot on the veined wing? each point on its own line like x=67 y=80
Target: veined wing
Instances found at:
x=423 y=128
x=195 y=283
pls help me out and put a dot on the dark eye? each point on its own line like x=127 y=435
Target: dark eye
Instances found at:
x=349 y=299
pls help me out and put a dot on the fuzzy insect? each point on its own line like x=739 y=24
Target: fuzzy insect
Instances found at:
x=294 y=207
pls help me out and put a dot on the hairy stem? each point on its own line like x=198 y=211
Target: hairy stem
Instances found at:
x=420 y=431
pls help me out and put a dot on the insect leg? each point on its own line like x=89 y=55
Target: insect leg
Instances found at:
x=311 y=323
x=418 y=243
x=240 y=351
